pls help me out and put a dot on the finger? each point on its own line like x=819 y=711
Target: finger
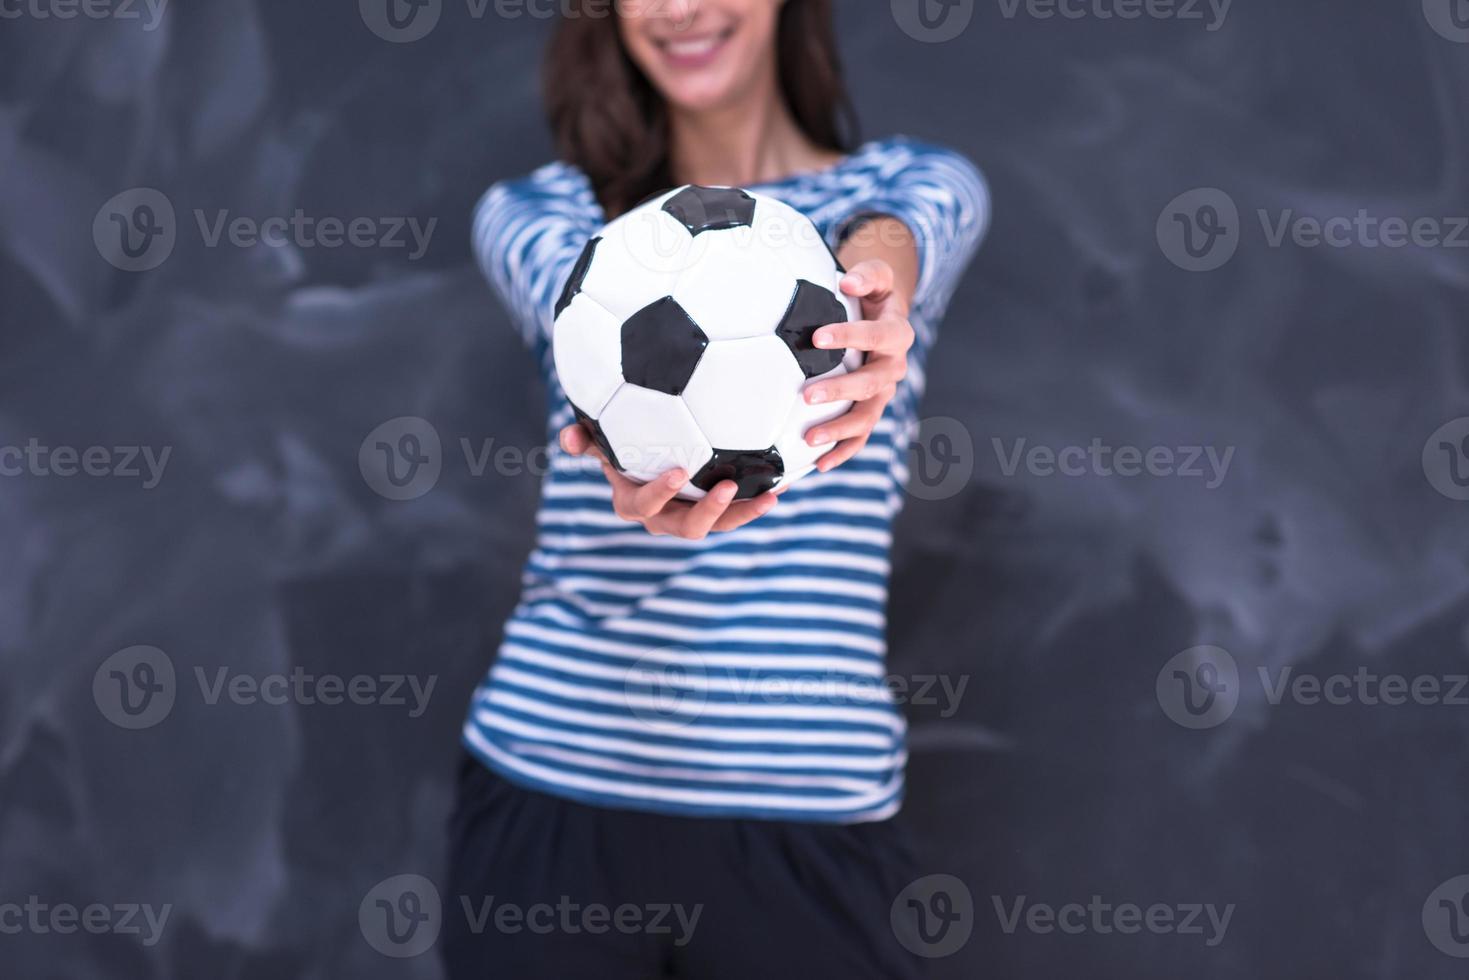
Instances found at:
x=742 y=513
x=623 y=489
x=842 y=452
x=870 y=380
x=859 y=420
x=868 y=278
x=887 y=335
x=701 y=517
x=574 y=439
x=650 y=498
x=859 y=334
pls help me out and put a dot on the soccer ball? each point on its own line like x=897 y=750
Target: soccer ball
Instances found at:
x=682 y=339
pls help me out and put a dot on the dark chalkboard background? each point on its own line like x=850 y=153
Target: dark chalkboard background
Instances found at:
x=1071 y=767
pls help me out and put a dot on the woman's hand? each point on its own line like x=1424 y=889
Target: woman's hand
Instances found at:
x=653 y=505
x=885 y=334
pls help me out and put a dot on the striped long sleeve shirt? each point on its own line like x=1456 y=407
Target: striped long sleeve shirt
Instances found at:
x=743 y=675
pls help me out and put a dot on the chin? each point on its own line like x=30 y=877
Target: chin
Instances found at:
x=699 y=95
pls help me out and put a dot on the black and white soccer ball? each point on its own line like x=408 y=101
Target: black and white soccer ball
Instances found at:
x=683 y=339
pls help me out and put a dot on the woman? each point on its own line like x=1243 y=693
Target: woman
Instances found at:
x=756 y=810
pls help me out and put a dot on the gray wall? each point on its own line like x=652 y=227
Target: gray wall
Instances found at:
x=1333 y=544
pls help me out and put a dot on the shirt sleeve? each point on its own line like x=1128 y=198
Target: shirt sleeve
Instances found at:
x=944 y=201
x=527 y=234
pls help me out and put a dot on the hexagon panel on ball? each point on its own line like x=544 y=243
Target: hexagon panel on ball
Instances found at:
x=742 y=390
x=653 y=433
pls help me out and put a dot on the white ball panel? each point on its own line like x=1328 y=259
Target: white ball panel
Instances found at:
x=587 y=347
x=739 y=289
x=742 y=390
x=797 y=242
x=639 y=259
x=652 y=433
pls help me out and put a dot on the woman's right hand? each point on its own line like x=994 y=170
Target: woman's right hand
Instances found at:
x=654 y=506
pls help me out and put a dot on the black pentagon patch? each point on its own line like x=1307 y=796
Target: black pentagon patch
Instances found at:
x=753 y=472
x=811 y=307
x=578 y=275
x=661 y=346
x=598 y=436
x=701 y=209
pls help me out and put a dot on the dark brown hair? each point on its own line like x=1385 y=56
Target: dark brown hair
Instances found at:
x=608 y=119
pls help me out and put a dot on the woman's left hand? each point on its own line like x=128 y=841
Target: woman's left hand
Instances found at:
x=886 y=335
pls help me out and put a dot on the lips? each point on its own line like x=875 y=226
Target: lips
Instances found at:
x=694 y=51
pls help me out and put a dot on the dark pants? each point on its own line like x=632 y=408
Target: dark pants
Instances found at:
x=545 y=887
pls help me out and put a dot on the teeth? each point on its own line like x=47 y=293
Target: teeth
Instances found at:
x=692 y=48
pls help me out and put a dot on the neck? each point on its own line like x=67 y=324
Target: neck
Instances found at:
x=748 y=143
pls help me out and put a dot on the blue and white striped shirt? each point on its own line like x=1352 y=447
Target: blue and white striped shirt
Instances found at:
x=743 y=675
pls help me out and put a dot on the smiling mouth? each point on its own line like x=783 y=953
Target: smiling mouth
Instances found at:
x=694 y=51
